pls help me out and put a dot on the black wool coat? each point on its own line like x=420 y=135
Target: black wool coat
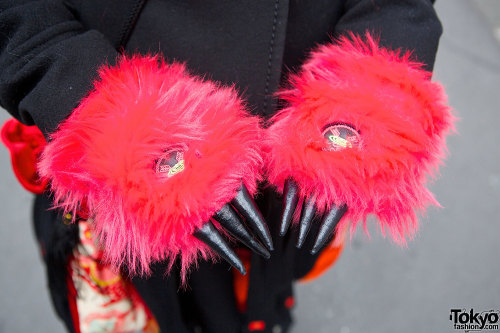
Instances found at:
x=50 y=51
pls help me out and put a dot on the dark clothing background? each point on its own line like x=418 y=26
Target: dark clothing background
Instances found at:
x=50 y=50
x=49 y=55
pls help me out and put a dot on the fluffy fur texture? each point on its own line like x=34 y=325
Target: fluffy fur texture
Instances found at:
x=402 y=119
x=104 y=155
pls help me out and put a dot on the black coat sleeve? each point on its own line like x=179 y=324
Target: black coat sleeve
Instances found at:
x=409 y=25
x=47 y=61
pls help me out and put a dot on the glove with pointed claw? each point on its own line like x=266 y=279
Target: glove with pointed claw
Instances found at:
x=228 y=218
x=162 y=160
x=363 y=129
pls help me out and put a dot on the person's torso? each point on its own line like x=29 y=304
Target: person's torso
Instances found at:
x=249 y=44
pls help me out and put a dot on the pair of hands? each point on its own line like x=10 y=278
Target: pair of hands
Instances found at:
x=228 y=218
x=362 y=129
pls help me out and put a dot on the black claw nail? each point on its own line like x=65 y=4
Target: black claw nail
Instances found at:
x=229 y=220
x=328 y=226
x=259 y=249
x=290 y=199
x=306 y=217
x=210 y=236
x=245 y=205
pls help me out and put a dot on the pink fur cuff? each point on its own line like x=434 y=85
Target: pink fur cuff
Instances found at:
x=153 y=152
x=364 y=126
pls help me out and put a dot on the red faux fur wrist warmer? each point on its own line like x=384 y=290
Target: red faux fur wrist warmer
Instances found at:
x=364 y=126
x=153 y=152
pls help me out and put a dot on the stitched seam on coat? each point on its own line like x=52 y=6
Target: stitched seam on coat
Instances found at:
x=270 y=57
x=131 y=20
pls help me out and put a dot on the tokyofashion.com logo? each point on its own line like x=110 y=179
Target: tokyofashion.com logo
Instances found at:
x=472 y=321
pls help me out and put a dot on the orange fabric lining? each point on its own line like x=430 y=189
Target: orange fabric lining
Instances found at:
x=257 y=325
x=325 y=260
x=241 y=282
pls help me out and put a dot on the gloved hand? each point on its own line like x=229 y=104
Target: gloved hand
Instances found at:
x=228 y=219
x=363 y=128
x=162 y=160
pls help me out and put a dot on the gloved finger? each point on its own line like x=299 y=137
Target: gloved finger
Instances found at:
x=211 y=237
x=306 y=217
x=328 y=225
x=290 y=200
x=229 y=220
x=245 y=205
